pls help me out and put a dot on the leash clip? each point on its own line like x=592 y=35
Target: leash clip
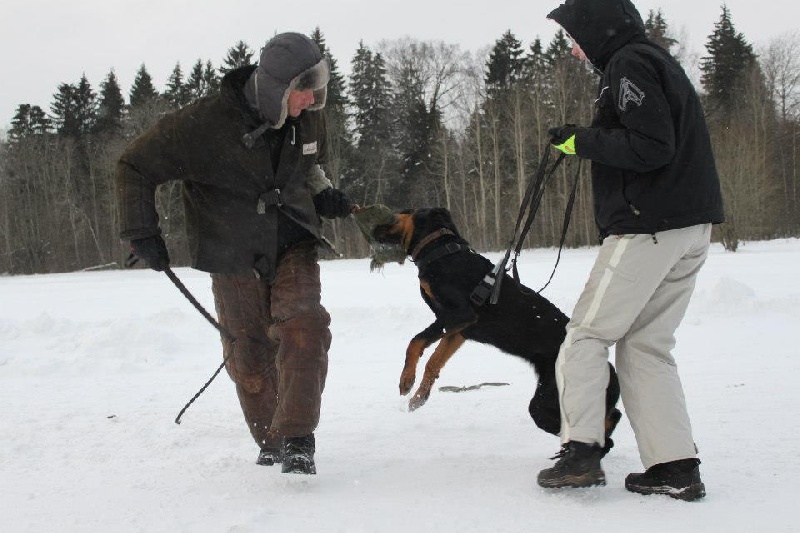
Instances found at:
x=484 y=289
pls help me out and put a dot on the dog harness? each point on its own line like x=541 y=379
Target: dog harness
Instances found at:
x=437 y=253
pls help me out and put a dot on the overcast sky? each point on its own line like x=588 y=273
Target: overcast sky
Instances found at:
x=44 y=43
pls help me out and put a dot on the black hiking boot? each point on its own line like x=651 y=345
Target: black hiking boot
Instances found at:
x=298 y=455
x=578 y=466
x=677 y=479
x=269 y=456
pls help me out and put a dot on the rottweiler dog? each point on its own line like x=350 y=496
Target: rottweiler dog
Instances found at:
x=522 y=322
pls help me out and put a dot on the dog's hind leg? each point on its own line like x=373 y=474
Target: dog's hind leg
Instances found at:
x=613 y=415
x=449 y=344
x=416 y=347
x=544 y=406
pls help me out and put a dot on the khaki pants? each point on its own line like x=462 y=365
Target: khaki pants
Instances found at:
x=636 y=297
x=279 y=361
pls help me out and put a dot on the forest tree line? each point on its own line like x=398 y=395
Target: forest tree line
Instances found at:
x=415 y=123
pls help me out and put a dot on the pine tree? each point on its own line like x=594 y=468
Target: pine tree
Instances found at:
x=64 y=111
x=414 y=127
x=211 y=79
x=238 y=56
x=142 y=91
x=203 y=81
x=28 y=120
x=724 y=70
x=371 y=97
x=505 y=63
x=336 y=86
x=656 y=30
x=339 y=139
x=86 y=106
x=558 y=48
x=111 y=106
x=175 y=92
x=535 y=61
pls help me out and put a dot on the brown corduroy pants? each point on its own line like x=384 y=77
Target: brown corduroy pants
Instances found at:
x=279 y=360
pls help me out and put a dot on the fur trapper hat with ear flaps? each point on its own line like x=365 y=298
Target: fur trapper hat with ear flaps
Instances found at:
x=289 y=61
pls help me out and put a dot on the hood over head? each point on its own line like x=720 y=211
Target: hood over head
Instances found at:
x=289 y=61
x=600 y=27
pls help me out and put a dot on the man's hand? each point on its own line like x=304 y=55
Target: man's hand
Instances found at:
x=563 y=138
x=152 y=250
x=333 y=203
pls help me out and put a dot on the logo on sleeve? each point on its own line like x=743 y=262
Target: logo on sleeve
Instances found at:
x=310 y=148
x=629 y=92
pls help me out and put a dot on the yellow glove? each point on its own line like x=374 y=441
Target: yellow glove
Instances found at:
x=568 y=146
x=563 y=139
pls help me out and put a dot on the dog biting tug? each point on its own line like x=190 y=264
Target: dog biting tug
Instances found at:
x=522 y=322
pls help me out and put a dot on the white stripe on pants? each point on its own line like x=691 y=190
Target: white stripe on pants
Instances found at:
x=636 y=297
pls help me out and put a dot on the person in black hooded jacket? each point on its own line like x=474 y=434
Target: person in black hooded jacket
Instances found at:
x=253 y=188
x=656 y=195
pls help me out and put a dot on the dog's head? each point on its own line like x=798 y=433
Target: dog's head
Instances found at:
x=411 y=226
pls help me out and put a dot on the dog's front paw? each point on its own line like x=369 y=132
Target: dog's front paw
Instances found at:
x=407 y=380
x=418 y=400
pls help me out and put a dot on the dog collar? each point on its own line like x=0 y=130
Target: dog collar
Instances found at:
x=427 y=240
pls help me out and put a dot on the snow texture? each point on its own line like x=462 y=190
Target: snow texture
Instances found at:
x=94 y=367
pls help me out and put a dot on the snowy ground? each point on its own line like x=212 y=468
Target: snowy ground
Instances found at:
x=94 y=367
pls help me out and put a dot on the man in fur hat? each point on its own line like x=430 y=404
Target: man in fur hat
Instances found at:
x=249 y=162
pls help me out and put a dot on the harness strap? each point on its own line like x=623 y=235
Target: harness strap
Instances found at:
x=427 y=240
x=442 y=251
x=489 y=287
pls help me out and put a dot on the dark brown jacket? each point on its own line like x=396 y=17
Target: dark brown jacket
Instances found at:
x=228 y=189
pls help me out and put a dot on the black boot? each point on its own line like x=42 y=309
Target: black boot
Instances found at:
x=298 y=455
x=677 y=479
x=269 y=456
x=578 y=466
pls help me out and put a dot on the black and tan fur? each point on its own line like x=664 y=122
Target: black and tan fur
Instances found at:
x=522 y=323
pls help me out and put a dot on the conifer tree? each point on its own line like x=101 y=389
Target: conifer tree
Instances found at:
x=724 y=70
x=142 y=90
x=656 y=30
x=111 y=106
x=85 y=106
x=414 y=127
x=371 y=98
x=505 y=63
x=29 y=120
x=336 y=86
x=211 y=79
x=202 y=81
x=176 y=93
x=195 y=85
x=339 y=144
x=558 y=48
x=239 y=55
x=535 y=61
x=64 y=111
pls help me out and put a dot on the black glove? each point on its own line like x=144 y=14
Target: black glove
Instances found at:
x=563 y=138
x=333 y=203
x=152 y=250
x=560 y=134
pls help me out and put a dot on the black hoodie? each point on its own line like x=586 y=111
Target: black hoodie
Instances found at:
x=652 y=164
